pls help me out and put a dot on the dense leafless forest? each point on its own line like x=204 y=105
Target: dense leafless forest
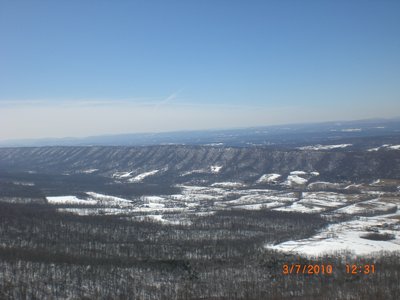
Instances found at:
x=47 y=255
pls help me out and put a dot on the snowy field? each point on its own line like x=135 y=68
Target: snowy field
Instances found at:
x=362 y=222
x=351 y=236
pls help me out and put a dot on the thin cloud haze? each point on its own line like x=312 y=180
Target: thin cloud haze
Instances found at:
x=83 y=119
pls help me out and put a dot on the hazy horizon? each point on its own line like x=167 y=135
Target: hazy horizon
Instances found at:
x=295 y=126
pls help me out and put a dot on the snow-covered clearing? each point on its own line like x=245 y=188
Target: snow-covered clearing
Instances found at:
x=348 y=236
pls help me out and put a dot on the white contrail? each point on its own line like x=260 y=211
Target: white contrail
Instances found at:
x=167 y=100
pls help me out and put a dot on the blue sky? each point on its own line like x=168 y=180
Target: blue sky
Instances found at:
x=77 y=68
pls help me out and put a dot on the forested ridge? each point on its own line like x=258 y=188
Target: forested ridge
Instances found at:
x=237 y=163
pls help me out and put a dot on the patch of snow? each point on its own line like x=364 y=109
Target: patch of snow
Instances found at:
x=353 y=186
x=205 y=213
x=69 y=200
x=109 y=200
x=267 y=178
x=394 y=147
x=89 y=171
x=161 y=219
x=386 y=146
x=93 y=211
x=153 y=199
x=215 y=169
x=199 y=171
x=298 y=173
x=228 y=184
x=375 y=182
x=321 y=185
x=177 y=196
x=259 y=206
x=298 y=207
x=125 y=175
x=295 y=179
x=158 y=218
x=251 y=206
x=120 y=175
x=142 y=176
x=325 y=147
x=154 y=205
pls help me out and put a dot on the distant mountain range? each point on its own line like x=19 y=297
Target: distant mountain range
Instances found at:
x=274 y=136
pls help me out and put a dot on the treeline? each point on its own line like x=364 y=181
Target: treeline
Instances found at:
x=219 y=236
x=63 y=184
